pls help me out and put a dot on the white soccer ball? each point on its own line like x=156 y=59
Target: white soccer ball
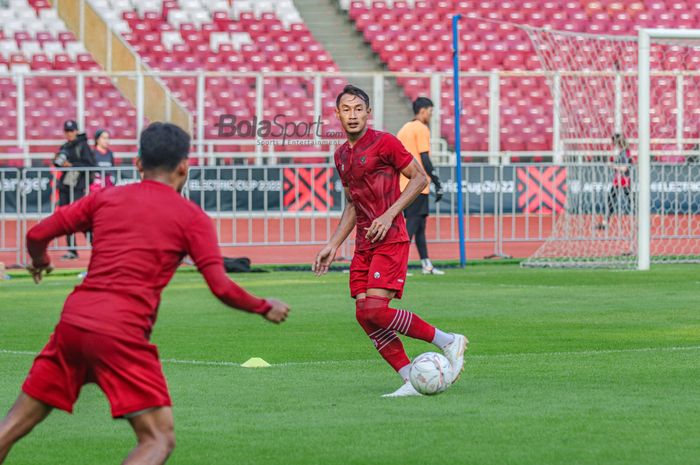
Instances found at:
x=430 y=373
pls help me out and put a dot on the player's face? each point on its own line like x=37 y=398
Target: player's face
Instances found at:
x=71 y=135
x=425 y=114
x=352 y=112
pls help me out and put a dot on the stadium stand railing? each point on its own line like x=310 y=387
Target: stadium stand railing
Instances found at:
x=511 y=210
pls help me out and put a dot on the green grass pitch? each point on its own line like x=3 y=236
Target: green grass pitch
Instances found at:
x=564 y=367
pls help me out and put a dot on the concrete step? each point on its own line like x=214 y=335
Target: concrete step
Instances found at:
x=333 y=29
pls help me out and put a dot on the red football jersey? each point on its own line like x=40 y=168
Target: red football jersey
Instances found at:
x=371 y=171
x=140 y=234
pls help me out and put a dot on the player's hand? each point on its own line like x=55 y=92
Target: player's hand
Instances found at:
x=379 y=228
x=323 y=260
x=278 y=313
x=438 y=194
x=37 y=271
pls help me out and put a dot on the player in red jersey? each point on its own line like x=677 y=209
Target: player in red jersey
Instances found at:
x=141 y=232
x=370 y=164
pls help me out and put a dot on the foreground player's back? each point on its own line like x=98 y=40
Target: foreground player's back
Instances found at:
x=140 y=234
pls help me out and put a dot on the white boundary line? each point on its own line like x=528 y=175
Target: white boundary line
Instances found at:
x=176 y=361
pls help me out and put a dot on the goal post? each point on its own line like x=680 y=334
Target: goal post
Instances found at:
x=645 y=38
x=619 y=102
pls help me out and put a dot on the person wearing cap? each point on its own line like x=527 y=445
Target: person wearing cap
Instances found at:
x=104 y=158
x=72 y=184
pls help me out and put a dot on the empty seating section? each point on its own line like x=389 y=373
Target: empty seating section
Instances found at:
x=180 y=36
x=416 y=36
x=223 y=36
x=33 y=38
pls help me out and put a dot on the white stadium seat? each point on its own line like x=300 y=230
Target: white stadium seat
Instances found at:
x=218 y=38
x=26 y=14
x=8 y=47
x=121 y=26
x=21 y=68
x=216 y=5
x=240 y=38
x=240 y=7
x=74 y=48
x=191 y=5
x=177 y=17
x=263 y=6
x=200 y=17
x=170 y=38
x=30 y=47
x=48 y=13
x=52 y=48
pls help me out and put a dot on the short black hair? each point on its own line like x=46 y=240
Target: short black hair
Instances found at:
x=163 y=146
x=420 y=103
x=352 y=90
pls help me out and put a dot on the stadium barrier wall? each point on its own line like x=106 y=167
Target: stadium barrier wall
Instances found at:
x=509 y=209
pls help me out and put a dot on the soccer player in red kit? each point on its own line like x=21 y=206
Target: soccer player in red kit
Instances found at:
x=141 y=232
x=370 y=164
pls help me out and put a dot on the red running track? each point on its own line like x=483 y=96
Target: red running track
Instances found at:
x=271 y=241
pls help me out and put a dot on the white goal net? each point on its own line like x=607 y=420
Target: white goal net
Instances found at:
x=594 y=79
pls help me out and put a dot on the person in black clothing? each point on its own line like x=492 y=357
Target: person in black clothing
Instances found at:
x=72 y=185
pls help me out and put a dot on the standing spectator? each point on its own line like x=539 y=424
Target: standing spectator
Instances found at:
x=104 y=158
x=619 y=199
x=415 y=136
x=75 y=153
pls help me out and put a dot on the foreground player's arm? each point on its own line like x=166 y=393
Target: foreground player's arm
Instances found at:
x=203 y=247
x=65 y=220
x=347 y=224
x=418 y=180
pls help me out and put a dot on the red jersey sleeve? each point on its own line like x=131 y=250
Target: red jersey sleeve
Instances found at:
x=203 y=247
x=65 y=220
x=395 y=153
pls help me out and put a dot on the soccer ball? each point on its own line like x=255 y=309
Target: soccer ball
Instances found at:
x=430 y=373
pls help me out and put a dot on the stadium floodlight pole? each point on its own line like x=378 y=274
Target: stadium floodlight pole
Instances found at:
x=644 y=157
x=458 y=142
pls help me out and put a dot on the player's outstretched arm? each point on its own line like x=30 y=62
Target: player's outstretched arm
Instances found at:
x=326 y=255
x=202 y=246
x=235 y=296
x=66 y=220
x=418 y=180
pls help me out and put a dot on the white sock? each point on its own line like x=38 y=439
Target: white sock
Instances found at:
x=403 y=372
x=426 y=263
x=441 y=339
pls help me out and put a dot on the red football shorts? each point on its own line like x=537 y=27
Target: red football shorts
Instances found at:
x=128 y=372
x=383 y=267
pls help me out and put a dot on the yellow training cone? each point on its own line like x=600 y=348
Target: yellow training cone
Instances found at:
x=255 y=362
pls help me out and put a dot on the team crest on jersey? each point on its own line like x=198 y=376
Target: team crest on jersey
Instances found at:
x=376 y=275
x=363 y=159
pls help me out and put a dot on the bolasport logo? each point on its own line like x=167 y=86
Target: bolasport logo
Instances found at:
x=277 y=131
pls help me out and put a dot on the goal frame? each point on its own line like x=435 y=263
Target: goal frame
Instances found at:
x=645 y=38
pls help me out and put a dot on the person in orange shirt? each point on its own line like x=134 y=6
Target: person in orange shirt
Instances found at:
x=415 y=136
